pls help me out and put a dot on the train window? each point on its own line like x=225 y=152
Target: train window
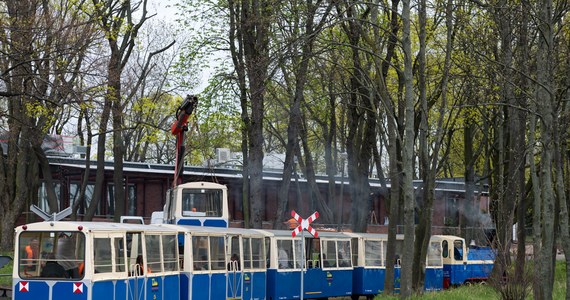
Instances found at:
x=329 y=252
x=169 y=248
x=247 y=255
x=235 y=262
x=200 y=253
x=445 y=249
x=202 y=202
x=134 y=252
x=458 y=250
x=51 y=254
x=343 y=254
x=102 y=255
x=373 y=253
x=267 y=244
x=434 y=255
x=257 y=259
x=384 y=248
x=153 y=264
x=284 y=255
x=399 y=251
x=217 y=253
x=119 y=255
x=298 y=256
x=355 y=245
x=384 y=252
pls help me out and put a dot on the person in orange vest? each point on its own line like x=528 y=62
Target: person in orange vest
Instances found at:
x=32 y=251
x=81 y=268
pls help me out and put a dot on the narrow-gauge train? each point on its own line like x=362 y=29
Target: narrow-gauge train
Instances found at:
x=101 y=260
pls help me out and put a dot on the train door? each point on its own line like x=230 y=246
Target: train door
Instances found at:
x=253 y=268
x=218 y=267
x=454 y=261
x=234 y=257
x=109 y=266
x=136 y=282
x=201 y=268
x=434 y=267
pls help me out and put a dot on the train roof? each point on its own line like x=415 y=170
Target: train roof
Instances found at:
x=446 y=237
x=367 y=235
x=87 y=226
x=287 y=233
x=212 y=230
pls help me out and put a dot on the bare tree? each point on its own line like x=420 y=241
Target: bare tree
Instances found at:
x=42 y=61
x=121 y=27
x=250 y=22
x=301 y=32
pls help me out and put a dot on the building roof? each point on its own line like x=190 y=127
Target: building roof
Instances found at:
x=443 y=185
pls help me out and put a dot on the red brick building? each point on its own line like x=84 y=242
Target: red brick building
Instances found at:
x=147 y=185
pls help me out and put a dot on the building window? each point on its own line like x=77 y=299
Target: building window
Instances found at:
x=43 y=197
x=131 y=207
x=74 y=189
x=451 y=212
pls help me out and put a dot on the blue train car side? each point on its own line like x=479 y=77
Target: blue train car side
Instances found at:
x=326 y=261
x=369 y=260
x=221 y=263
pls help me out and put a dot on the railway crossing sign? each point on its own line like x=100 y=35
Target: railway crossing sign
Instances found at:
x=305 y=224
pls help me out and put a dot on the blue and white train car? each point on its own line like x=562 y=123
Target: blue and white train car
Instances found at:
x=195 y=204
x=221 y=263
x=464 y=265
x=90 y=260
x=326 y=261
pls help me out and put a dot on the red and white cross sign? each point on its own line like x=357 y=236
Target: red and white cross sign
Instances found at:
x=24 y=286
x=78 y=287
x=305 y=224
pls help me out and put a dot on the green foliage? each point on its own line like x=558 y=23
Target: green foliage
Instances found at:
x=7 y=269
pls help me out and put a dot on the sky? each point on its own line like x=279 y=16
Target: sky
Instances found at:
x=166 y=10
x=163 y=8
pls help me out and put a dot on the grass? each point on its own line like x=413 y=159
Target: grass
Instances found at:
x=473 y=292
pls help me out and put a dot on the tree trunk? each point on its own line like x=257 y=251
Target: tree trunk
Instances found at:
x=253 y=25
x=545 y=101
x=523 y=82
x=114 y=71
x=322 y=207
x=17 y=163
x=408 y=158
x=236 y=38
x=54 y=206
x=100 y=173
